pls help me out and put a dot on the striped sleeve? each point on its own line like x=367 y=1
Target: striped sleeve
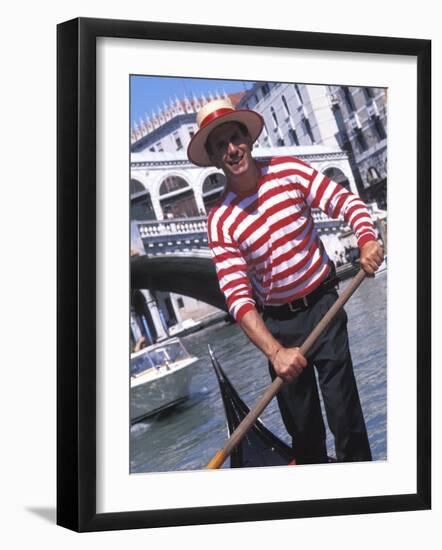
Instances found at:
x=231 y=270
x=335 y=201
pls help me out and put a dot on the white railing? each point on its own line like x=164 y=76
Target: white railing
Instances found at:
x=190 y=234
x=183 y=226
x=175 y=226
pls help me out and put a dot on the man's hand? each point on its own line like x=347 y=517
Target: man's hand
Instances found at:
x=288 y=363
x=372 y=256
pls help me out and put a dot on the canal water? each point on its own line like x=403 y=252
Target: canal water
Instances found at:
x=188 y=436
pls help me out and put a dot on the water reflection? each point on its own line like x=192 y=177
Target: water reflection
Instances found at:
x=187 y=437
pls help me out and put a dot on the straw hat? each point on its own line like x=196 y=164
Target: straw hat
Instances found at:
x=211 y=116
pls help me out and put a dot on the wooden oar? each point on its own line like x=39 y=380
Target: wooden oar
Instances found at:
x=220 y=457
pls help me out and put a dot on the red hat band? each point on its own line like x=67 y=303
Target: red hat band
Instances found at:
x=215 y=114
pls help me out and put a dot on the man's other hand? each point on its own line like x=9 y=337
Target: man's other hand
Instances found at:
x=288 y=363
x=372 y=256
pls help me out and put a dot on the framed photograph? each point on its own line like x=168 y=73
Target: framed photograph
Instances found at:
x=142 y=403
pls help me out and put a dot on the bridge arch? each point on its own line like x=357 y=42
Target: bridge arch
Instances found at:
x=187 y=274
x=136 y=186
x=211 y=186
x=337 y=175
x=176 y=196
x=141 y=205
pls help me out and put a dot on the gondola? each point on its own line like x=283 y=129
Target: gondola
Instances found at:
x=260 y=447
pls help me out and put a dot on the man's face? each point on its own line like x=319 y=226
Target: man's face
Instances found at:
x=230 y=150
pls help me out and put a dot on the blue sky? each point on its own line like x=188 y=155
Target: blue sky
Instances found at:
x=149 y=92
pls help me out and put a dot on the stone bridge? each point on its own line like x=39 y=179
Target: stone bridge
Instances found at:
x=191 y=274
x=172 y=255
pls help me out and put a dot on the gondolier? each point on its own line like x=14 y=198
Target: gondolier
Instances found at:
x=271 y=262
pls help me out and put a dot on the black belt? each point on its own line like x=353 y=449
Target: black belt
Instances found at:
x=300 y=304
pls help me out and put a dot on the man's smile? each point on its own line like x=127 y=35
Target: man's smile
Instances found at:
x=235 y=161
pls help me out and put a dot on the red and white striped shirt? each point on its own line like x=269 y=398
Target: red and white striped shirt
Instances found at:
x=264 y=242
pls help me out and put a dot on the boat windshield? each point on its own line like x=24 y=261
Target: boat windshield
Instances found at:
x=163 y=355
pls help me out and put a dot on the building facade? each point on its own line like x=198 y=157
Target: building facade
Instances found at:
x=354 y=119
x=361 y=115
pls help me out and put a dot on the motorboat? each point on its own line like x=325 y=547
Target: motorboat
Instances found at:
x=160 y=378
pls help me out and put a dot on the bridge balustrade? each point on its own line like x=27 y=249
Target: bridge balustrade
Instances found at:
x=190 y=234
x=174 y=235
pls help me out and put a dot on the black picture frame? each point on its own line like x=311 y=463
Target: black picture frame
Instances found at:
x=76 y=273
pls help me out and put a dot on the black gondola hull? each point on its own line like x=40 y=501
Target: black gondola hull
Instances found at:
x=259 y=447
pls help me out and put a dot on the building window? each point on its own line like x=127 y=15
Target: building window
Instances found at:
x=369 y=93
x=379 y=127
x=293 y=137
x=349 y=101
x=265 y=89
x=308 y=129
x=265 y=135
x=349 y=98
x=179 y=145
x=286 y=107
x=298 y=93
x=152 y=149
x=281 y=142
x=160 y=147
x=274 y=117
x=360 y=140
x=180 y=303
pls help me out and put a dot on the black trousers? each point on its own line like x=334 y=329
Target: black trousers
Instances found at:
x=299 y=400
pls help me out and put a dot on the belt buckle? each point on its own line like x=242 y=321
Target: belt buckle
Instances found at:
x=294 y=309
